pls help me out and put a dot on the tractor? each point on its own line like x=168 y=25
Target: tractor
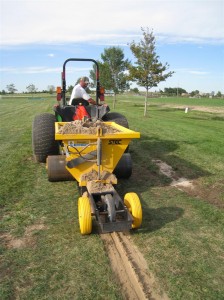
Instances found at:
x=90 y=145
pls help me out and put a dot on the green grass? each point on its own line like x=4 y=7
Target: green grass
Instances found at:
x=182 y=233
x=55 y=262
x=215 y=102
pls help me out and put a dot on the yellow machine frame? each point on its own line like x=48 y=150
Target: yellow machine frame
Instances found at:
x=109 y=146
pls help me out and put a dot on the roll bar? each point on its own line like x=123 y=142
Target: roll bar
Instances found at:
x=64 y=78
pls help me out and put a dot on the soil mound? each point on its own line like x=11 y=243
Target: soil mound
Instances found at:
x=86 y=127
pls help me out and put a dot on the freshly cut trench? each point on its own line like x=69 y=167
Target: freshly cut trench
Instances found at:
x=130 y=268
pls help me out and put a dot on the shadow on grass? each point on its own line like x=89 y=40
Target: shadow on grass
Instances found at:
x=143 y=104
x=146 y=175
x=154 y=219
x=147 y=150
x=207 y=117
x=172 y=109
x=218 y=118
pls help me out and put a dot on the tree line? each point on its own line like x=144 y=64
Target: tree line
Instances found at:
x=176 y=91
x=31 y=89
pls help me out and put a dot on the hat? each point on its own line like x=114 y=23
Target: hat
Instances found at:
x=85 y=79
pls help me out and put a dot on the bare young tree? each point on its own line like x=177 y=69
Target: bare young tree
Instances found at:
x=51 y=89
x=11 y=88
x=147 y=71
x=31 y=88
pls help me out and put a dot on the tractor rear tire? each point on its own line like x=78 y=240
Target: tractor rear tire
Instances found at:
x=43 y=137
x=123 y=169
x=117 y=118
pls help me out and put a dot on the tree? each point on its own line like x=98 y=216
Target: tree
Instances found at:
x=51 y=89
x=31 y=88
x=104 y=78
x=135 y=90
x=219 y=94
x=113 y=71
x=194 y=93
x=11 y=88
x=69 y=89
x=148 y=72
x=174 y=91
x=3 y=92
x=180 y=91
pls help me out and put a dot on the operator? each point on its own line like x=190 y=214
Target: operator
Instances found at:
x=79 y=91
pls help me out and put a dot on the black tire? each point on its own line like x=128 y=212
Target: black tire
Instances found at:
x=123 y=169
x=43 y=137
x=56 y=169
x=117 y=118
x=110 y=207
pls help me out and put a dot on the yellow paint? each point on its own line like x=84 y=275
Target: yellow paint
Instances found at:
x=113 y=147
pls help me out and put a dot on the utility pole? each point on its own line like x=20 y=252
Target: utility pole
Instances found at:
x=177 y=89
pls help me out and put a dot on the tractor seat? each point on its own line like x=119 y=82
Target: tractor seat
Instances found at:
x=77 y=101
x=66 y=112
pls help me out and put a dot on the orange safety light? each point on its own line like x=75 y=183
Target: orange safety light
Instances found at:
x=102 y=90
x=58 y=90
x=58 y=93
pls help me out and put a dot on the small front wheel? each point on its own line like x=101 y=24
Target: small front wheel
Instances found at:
x=85 y=218
x=132 y=201
x=110 y=207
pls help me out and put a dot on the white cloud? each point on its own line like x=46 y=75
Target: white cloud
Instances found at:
x=198 y=72
x=30 y=70
x=113 y=22
x=190 y=71
x=39 y=70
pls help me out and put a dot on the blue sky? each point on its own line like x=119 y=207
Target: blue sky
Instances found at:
x=38 y=36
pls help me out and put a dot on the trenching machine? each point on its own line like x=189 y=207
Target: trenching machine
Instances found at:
x=89 y=144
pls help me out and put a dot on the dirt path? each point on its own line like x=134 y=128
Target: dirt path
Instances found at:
x=218 y=110
x=130 y=268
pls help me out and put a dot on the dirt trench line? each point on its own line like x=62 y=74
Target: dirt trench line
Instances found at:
x=167 y=170
x=130 y=268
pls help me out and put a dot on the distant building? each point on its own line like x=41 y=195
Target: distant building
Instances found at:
x=184 y=95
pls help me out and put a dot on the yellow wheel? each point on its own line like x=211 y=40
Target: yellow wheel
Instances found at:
x=131 y=200
x=85 y=218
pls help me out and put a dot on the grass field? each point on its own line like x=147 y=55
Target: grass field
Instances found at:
x=215 y=102
x=43 y=255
